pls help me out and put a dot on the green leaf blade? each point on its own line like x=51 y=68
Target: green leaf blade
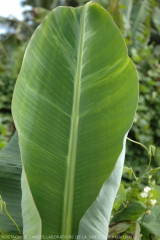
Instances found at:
x=71 y=112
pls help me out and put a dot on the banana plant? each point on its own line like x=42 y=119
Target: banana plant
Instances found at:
x=73 y=105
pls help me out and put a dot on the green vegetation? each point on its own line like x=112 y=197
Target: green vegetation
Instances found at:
x=135 y=210
x=59 y=108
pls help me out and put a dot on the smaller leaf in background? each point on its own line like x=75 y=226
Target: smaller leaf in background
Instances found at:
x=133 y=211
x=10 y=186
x=116 y=229
x=125 y=230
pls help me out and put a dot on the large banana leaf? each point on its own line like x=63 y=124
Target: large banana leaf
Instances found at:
x=74 y=101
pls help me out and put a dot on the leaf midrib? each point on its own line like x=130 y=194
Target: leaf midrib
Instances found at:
x=67 y=215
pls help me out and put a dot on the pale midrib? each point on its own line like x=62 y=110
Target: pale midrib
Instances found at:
x=67 y=215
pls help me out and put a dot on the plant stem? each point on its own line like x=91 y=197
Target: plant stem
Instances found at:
x=149 y=154
x=150 y=157
x=134 y=174
x=138 y=144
